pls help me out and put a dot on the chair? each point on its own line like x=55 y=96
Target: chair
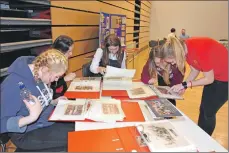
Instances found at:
x=4 y=138
x=86 y=70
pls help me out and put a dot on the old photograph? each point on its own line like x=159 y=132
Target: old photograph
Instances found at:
x=84 y=88
x=110 y=109
x=74 y=110
x=137 y=91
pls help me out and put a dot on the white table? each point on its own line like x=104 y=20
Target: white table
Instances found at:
x=184 y=125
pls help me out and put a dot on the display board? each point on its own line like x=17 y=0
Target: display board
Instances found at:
x=112 y=24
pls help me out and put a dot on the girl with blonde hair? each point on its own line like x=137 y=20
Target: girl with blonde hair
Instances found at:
x=26 y=123
x=166 y=74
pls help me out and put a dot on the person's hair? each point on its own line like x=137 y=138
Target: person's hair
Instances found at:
x=175 y=48
x=111 y=40
x=51 y=58
x=157 y=53
x=173 y=30
x=63 y=43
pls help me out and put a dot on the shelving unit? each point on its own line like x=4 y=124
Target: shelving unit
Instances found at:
x=24 y=21
x=25 y=26
x=8 y=47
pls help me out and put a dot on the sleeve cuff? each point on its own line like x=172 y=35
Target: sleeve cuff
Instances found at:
x=13 y=126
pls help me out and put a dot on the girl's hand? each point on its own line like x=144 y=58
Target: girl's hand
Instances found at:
x=152 y=81
x=34 y=109
x=102 y=70
x=55 y=101
x=181 y=92
x=69 y=77
x=177 y=88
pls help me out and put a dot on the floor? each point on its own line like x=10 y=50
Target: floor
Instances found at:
x=190 y=106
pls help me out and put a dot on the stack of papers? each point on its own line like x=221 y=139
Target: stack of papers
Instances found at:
x=69 y=110
x=90 y=84
x=105 y=111
x=81 y=109
x=117 y=78
x=161 y=136
x=88 y=87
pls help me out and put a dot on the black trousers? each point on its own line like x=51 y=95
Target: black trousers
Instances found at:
x=52 y=138
x=161 y=82
x=214 y=97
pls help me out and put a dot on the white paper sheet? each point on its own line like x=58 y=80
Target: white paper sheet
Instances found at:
x=118 y=72
x=161 y=136
x=106 y=111
x=86 y=85
x=77 y=110
x=140 y=90
x=117 y=78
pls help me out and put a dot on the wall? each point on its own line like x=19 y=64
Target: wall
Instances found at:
x=204 y=18
x=80 y=20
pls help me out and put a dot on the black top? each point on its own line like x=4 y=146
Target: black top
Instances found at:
x=59 y=87
x=113 y=63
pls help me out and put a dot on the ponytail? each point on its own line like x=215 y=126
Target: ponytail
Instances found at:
x=178 y=51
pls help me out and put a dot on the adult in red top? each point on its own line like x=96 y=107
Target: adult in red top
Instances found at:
x=205 y=54
x=210 y=57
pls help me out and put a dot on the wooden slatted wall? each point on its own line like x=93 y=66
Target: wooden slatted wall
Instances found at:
x=80 y=20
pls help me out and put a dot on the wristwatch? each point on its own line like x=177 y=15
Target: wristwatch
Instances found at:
x=184 y=84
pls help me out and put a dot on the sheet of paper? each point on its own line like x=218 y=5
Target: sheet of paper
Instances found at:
x=106 y=111
x=164 y=92
x=140 y=90
x=118 y=72
x=85 y=85
x=162 y=136
x=163 y=108
x=117 y=85
x=118 y=79
x=70 y=110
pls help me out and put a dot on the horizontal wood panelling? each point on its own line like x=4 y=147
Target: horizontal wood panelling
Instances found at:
x=64 y=16
x=122 y=4
x=144 y=18
x=143 y=12
x=94 y=6
x=143 y=39
x=144 y=24
x=83 y=47
x=141 y=45
x=144 y=34
x=129 y=37
x=71 y=17
x=142 y=29
x=76 y=16
x=76 y=33
x=129 y=29
x=77 y=62
x=144 y=6
x=129 y=22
